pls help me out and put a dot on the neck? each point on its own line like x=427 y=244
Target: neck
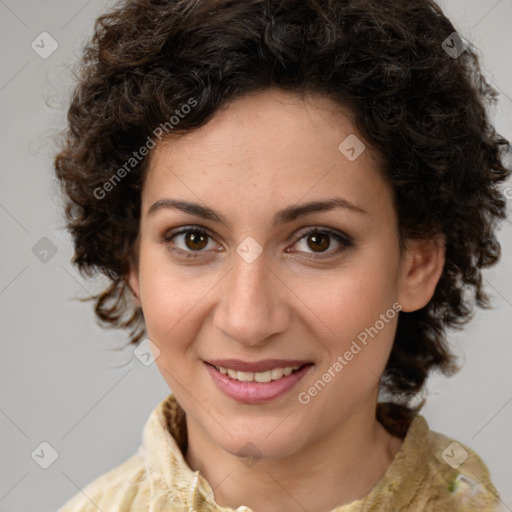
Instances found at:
x=339 y=468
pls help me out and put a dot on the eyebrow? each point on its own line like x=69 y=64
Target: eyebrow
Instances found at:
x=288 y=214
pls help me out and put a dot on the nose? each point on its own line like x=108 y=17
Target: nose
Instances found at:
x=252 y=306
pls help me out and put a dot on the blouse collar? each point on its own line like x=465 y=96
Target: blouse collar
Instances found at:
x=174 y=486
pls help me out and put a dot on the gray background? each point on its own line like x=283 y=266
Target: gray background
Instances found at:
x=63 y=382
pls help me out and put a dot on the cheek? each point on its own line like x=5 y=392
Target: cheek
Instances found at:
x=169 y=300
x=362 y=324
x=348 y=300
x=357 y=314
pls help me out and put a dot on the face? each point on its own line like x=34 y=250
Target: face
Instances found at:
x=244 y=277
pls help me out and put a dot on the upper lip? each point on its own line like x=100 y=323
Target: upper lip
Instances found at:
x=257 y=366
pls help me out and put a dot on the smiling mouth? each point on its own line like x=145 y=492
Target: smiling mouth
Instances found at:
x=266 y=376
x=273 y=380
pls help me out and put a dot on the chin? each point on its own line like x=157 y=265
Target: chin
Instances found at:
x=260 y=446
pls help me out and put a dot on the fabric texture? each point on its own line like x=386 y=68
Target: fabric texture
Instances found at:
x=431 y=472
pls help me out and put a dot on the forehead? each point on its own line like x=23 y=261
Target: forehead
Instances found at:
x=267 y=147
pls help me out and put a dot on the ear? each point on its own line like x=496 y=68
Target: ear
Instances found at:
x=422 y=266
x=133 y=283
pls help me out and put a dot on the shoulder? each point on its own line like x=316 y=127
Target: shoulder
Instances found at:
x=458 y=479
x=122 y=488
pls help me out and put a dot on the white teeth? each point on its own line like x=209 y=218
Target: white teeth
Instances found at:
x=245 y=376
x=232 y=373
x=263 y=376
x=274 y=374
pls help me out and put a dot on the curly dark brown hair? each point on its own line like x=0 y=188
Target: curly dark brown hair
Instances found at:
x=396 y=65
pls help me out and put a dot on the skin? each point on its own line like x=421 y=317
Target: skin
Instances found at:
x=260 y=154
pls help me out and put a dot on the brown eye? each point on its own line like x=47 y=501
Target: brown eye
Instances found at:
x=319 y=240
x=193 y=240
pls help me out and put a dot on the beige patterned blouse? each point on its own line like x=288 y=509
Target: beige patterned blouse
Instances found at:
x=430 y=473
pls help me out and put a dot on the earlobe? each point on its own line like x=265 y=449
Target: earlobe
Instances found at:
x=422 y=267
x=133 y=284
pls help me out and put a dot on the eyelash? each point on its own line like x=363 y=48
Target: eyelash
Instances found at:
x=345 y=241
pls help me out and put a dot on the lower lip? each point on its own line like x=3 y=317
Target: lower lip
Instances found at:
x=256 y=392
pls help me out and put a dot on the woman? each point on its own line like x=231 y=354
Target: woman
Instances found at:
x=292 y=201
